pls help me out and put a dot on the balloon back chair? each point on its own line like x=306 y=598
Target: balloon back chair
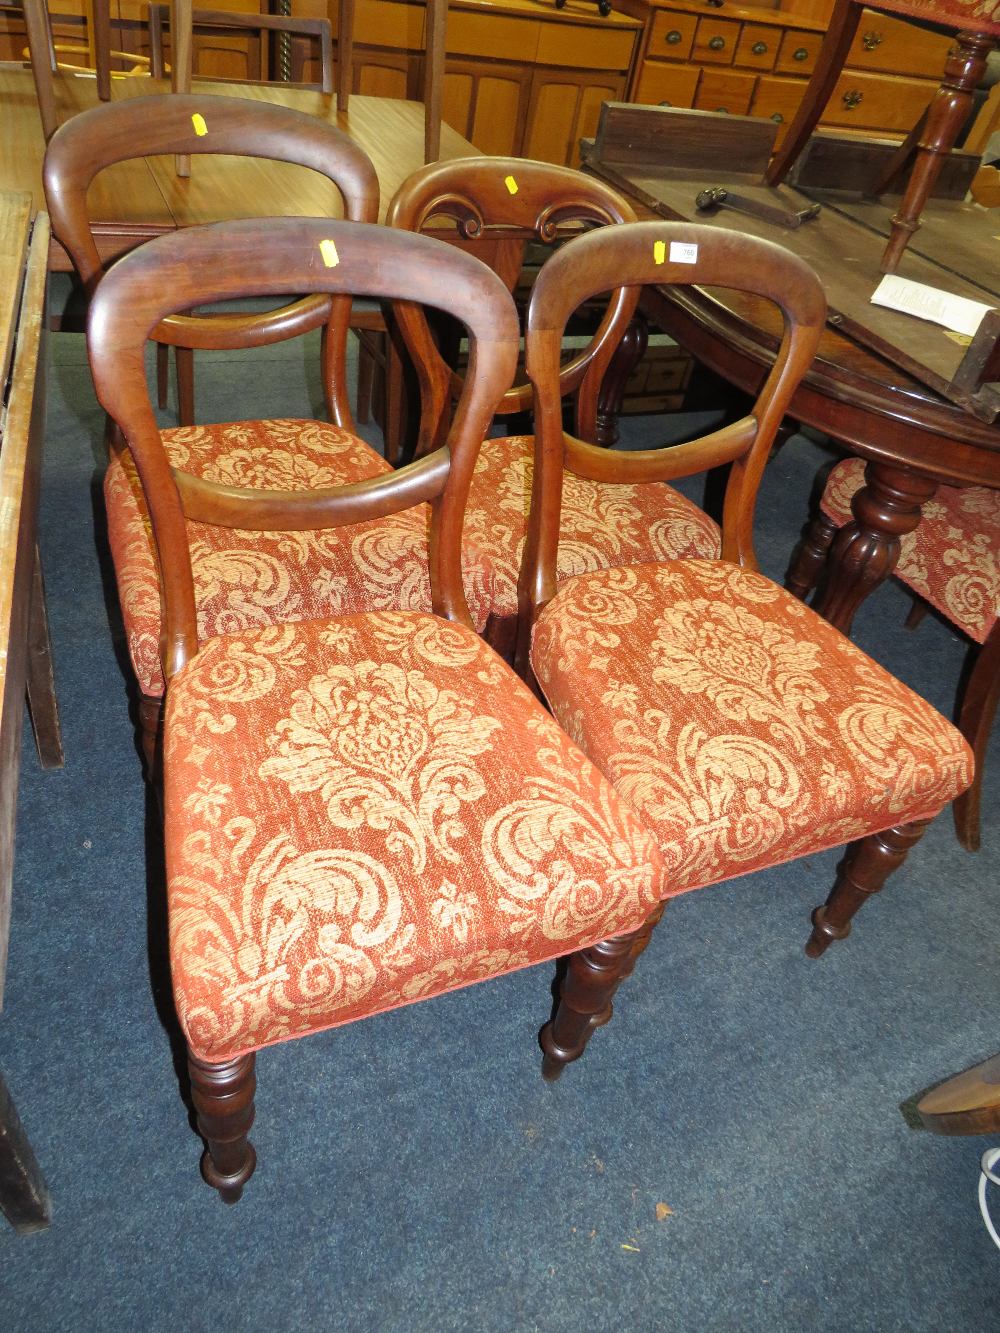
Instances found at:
x=512 y=201
x=363 y=811
x=148 y=126
x=743 y=728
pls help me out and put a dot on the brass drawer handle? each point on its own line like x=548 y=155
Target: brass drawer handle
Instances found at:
x=717 y=44
x=800 y=53
x=871 y=40
x=778 y=118
x=673 y=37
x=722 y=110
x=852 y=98
x=759 y=49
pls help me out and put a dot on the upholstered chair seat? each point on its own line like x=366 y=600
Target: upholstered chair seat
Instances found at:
x=369 y=811
x=743 y=727
x=603 y=524
x=247 y=579
x=951 y=559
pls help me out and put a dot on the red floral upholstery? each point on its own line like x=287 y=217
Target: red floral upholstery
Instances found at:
x=952 y=559
x=371 y=811
x=603 y=525
x=245 y=579
x=968 y=15
x=744 y=729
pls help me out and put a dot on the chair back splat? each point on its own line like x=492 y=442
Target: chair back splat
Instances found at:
x=665 y=254
x=269 y=257
x=512 y=201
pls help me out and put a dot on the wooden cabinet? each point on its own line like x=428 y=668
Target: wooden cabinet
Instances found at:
x=757 y=61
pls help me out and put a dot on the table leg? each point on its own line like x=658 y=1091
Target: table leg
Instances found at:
x=100 y=41
x=865 y=551
x=24 y=1196
x=39 y=678
x=180 y=75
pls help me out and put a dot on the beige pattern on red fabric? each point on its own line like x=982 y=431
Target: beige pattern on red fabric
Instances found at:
x=366 y=812
x=952 y=558
x=245 y=579
x=970 y=15
x=744 y=729
x=602 y=525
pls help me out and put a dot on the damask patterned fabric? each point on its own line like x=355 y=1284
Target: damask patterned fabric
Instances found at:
x=366 y=812
x=602 y=525
x=744 y=729
x=952 y=558
x=970 y=15
x=245 y=579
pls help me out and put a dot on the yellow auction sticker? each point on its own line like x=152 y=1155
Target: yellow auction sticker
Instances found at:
x=511 y=184
x=329 y=252
x=659 y=252
x=200 y=128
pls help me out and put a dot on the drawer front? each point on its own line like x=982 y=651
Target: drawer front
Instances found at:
x=877 y=101
x=724 y=91
x=504 y=37
x=886 y=44
x=671 y=36
x=661 y=84
x=777 y=99
x=757 y=47
x=577 y=47
x=715 y=41
x=797 y=53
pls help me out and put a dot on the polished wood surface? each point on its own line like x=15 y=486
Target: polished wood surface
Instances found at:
x=969 y=1103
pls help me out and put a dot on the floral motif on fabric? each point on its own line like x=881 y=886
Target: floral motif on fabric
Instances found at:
x=743 y=728
x=245 y=579
x=371 y=811
x=952 y=558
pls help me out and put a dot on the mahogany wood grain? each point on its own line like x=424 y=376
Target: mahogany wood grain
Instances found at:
x=968 y=1103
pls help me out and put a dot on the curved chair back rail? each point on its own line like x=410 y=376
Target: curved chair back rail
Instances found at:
x=267 y=257
x=663 y=254
x=502 y=198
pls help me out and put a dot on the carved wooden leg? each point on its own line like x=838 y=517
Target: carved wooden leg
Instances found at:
x=640 y=942
x=865 y=552
x=975 y=722
x=916 y=613
x=184 y=360
x=223 y=1099
x=150 y=726
x=810 y=557
x=611 y=393
x=591 y=979
x=946 y=115
x=864 y=870
x=39 y=679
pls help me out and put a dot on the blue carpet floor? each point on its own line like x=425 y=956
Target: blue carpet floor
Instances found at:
x=414 y=1171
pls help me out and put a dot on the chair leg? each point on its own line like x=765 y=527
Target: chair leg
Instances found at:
x=223 y=1100
x=640 y=943
x=162 y=374
x=863 y=871
x=592 y=976
x=436 y=26
x=42 y=55
x=150 y=727
x=975 y=721
x=366 y=380
x=810 y=557
x=345 y=54
x=184 y=361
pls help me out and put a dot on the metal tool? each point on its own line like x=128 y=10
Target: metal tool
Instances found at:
x=720 y=197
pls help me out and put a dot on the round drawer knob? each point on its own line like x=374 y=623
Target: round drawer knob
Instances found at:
x=664 y=104
x=800 y=53
x=673 y=37
x=871 y=40
x=852 y=98
x=717 y=44
x=722 y=110
x=778 y=118
x=759 y=48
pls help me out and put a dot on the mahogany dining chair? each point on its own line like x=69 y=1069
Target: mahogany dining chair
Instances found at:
x=508 y=202
x=743 y=728
x=366 y=810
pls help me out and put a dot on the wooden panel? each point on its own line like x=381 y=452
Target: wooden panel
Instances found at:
x=877 y=101
x=724 y=91
x=715 y=41
x=495 y=35
x=671 y=85
x=797 y=53
x=757 y=47
x=387 y=23
x=778 y=100
x=385 y=73
x=592 y=99
x=457 y=91
x=684 y=142
x=554 y=108
x=15 y=226
x=499 y=113
x=672 y=36
x=584 y=48
x=884 y=43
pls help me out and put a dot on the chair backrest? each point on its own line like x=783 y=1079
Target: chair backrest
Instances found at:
x=511 y=201
x=266 y=257
x=194 y=124
x=230 y=22
x=664 y=255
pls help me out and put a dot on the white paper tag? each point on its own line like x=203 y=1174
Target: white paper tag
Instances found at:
x=683 y=253
x=957 y=313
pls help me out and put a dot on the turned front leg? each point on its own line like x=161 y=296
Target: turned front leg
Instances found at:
x=864 y=870
x=865 y=552
x=223 y=1099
